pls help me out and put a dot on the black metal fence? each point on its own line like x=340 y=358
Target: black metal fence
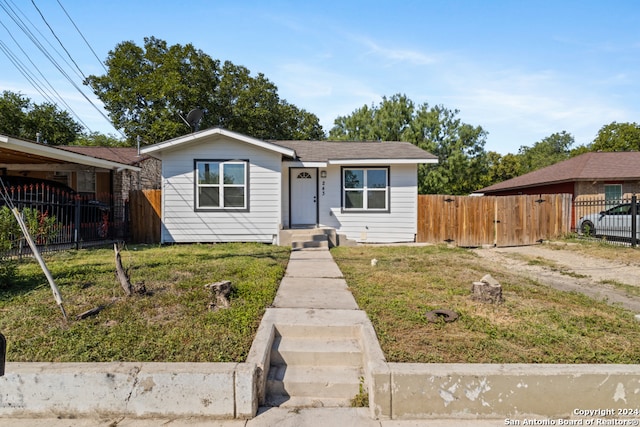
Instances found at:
x=615 y=221
x=61 y=220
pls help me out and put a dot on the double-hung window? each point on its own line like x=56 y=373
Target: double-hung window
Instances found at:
x=365 y=189
x=612 y=194
x=221 y=184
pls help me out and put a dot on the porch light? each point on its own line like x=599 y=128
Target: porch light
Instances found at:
x=323 y=174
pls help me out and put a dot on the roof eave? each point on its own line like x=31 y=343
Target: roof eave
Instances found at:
x=380 y=161
x=63 y=155
x=195 y=137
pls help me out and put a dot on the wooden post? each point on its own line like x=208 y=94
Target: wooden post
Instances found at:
x=43 y=266
x=121 y=274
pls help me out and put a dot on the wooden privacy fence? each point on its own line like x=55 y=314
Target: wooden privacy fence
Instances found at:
x=145 y=214
x=493 y=220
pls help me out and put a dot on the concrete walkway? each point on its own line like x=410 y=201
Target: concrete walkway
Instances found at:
x=312 y=281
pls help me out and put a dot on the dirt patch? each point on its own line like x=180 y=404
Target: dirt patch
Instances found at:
x=566 y=270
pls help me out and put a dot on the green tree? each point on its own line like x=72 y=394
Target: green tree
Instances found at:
x=13 y=111
x=147 y=89
x=617 y=137
x=501 y=168
x=97 y=139
x=21 y=118
x=546 y=152
x=459 y=146
x=56 y=127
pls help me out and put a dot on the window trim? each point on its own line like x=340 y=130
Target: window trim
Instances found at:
x=365 y=190
x=196 y=186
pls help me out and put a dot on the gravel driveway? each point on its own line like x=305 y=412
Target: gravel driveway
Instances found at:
x=570 y=271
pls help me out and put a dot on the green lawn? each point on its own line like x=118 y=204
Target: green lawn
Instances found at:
x=535 y=324
x=170 y=324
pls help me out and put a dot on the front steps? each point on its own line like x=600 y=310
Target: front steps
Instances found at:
x=305 y=238
x=314 y=367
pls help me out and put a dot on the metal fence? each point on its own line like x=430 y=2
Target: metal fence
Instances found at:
x=64 y=220
x=615 y=221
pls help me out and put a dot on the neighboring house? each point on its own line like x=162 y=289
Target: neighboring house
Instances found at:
x=221 y=186
x=84 y=188
x=80 y=171
x=606 y=176
x=145 y=177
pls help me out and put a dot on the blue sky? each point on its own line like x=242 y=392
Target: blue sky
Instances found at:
x=522 y=70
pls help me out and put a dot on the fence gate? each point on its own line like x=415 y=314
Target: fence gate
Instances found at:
x=500 y=221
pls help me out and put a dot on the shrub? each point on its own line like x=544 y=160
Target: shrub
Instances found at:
x=43 y=228
x=8 y=273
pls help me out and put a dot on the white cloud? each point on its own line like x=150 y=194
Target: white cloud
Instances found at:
x=394 y=55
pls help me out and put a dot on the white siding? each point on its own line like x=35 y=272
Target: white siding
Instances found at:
x=397 y=225
x=181 y=223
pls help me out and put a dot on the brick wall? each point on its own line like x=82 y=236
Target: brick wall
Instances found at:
x=590 y=190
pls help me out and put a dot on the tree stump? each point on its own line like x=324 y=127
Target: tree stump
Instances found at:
x=487 y=290
x=221 y=290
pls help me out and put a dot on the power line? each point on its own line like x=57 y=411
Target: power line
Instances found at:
x=35 y=82
x=57 y=38
x=24 y=70
x=25 y=29
x=34 y=39
x=83 y=37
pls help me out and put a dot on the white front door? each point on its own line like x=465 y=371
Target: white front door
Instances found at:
x=304 y=196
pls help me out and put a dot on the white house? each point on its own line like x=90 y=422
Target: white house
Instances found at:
x=222 y=186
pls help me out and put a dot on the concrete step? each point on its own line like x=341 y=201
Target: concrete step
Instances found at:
x=316 y=351
x=312 y=242
x=334 y=382
x=309 y=236
x=318 y=331
x=342 y=240
x=284 y=401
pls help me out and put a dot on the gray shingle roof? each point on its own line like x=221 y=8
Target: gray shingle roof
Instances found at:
x=125 y=155
x=613 y=166
x=323 y=151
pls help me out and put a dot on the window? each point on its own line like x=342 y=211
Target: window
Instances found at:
x=86 y=182
x=612 y=194
x=230 y=192
x=365 y=189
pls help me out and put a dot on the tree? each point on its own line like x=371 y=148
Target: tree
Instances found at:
x=97 y=139
x=147 y=89
x=501 y=168
x=459 y=146
x=13 y=111
x=617 y=137
x=546 y=152
x=56 y=127
x=21 y=118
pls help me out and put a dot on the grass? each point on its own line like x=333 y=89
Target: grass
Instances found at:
x=535 y=324
x=170 y=324
x=630 y=290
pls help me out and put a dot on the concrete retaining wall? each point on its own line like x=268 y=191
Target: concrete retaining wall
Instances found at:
x=396 y=391
x=217 y=390
x=422 y=391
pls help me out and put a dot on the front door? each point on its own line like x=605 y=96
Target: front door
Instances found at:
x=304 y=196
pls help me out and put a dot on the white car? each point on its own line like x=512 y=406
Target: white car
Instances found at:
x=614 y=222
